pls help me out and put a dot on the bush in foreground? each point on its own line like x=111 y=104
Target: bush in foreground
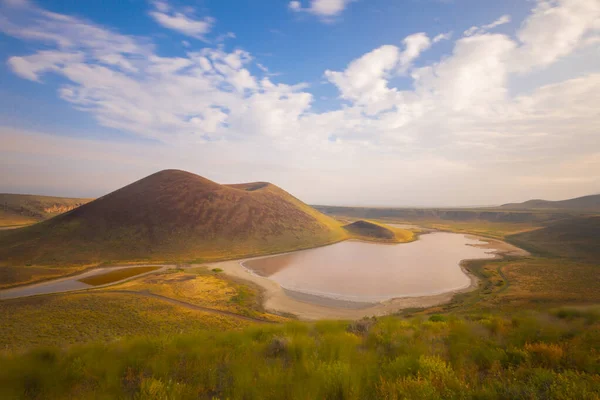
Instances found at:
x=528 y=356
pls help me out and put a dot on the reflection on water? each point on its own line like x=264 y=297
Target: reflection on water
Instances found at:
x=368 y=272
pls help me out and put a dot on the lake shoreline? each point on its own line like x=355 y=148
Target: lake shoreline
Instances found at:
x=278 y=300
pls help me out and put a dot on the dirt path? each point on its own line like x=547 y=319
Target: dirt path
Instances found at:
x=72 y=283
x=187 y=305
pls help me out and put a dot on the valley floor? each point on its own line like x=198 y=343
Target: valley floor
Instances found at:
x=529 y=329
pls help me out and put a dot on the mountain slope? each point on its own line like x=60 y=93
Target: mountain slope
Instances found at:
x=577 y=238
x=173 y=215
x=587 y=203
x=24 y=209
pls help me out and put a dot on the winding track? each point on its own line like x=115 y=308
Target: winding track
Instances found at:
x=187 y=305
x=48 y=288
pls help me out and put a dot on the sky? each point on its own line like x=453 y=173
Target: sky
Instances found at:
x=342 y=102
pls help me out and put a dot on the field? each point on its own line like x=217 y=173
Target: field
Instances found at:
x=117 y=275
x=63 y=320
x=202 y=287
x=528 y=355
x=128 y=309
x=23 y=209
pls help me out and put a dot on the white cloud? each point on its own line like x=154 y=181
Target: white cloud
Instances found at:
x=442 y=36
x=32 y=66
x=414 y=45
x=183 y=22
x=365 y=80
x=476 y=30
x=325 y=9
x=555 y=29
x=451 y=130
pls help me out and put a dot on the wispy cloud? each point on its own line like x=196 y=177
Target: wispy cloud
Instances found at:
x=478 y=30
x=184 y=21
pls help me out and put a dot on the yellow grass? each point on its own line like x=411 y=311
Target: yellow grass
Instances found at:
x=202 y=287
x=61 y=320
x=117 y=275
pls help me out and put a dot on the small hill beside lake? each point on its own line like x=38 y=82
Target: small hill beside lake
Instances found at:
x=368 y=230
x=173 y=215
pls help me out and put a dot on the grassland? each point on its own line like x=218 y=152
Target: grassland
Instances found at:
x=127 y=309
x=203 y=287
x=116 y=275
x=23 y=209
x=526 y=356
x=68 y=319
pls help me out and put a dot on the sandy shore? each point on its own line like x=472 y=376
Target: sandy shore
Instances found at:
x=279 y=300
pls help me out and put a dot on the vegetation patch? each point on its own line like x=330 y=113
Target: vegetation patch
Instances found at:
x=116 y=275
x=201 y=287
x=526 y=356
x=64 y=320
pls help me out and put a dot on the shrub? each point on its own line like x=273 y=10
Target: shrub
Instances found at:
x=437 y=318
x=361 y=327
x=277 y=347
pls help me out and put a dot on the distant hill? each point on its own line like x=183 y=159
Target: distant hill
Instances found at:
x=25 y=209
x=173 y=215
x=577 y=238
x=447 y=214
x=585 y=203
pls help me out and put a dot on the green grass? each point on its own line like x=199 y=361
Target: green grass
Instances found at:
x=525 y=356
x=117 y=275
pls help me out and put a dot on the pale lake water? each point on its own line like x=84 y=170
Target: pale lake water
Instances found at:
x=371 y=272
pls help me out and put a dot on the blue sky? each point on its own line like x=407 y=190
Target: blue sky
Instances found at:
x=382 y=102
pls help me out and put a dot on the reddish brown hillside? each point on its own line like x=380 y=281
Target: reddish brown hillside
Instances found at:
x=174 y=215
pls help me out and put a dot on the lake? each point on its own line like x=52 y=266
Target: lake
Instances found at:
x=372 y=272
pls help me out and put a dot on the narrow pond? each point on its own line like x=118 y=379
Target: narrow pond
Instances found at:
x=371 y=272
